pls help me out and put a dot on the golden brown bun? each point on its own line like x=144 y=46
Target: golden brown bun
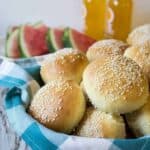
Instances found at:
x=141 y=55
x=59 y=105
x=106 y=48
x=139 y=121
x=67 y=64
x=139 y=35
x=98 y=124
x=115 y=84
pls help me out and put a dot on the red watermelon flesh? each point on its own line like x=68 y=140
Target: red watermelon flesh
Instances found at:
x=80 y=40
x=58 y=37
x=35 y=39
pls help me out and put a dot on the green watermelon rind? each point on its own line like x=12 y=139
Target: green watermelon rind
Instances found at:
x=9 y=42
x=9 y=31
x=9 y=37
x=23 y=48
x=66 y=38
x=38 y=24
x=72 y=40
x=69 y=39
x=52 y=46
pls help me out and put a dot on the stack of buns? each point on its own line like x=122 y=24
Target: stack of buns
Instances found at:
x=139 y=49
x=95 y=94
x=60 y=104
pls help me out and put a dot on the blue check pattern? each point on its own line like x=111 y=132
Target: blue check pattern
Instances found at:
x=22 y=79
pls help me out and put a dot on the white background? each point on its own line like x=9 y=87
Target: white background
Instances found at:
x=52 y=12
x=56 y=12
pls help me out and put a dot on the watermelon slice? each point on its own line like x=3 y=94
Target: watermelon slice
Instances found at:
x=33 y=40
x=54 y=39
x=10 y=30
x=39 y=24
x=12 y=45
x=13 y=28
x=73 y=38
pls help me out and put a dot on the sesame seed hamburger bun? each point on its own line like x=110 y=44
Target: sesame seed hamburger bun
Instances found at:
x=141 y=55
x=59 y=105
x=115 y=84
x=83 y=90
x=139 y=35
x=106 y=48
x=139 y=121
x=67 y=64
x=98 y=124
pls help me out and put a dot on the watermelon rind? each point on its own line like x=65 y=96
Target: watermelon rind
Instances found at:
x=9 y=42
x=10 y=35
x=72 y=39
x=9 y=31
x=51 y=42
x=66 y=38
x=38 y=24
x=23 y=47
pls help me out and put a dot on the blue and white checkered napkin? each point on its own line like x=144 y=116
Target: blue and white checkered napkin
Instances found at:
x=21 y=90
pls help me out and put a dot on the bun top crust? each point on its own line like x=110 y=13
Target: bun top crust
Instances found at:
x=139 y=35
x=100 y=124
x=141 y=55
x=67 y=63
x=58 y=105
x=106 y=48
x=115 y=84
x=139 y=120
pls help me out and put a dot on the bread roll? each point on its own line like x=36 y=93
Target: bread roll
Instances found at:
x=59 y=105
x=141 y=55
x=67 y=64
x=84 y=92
x=139 y=121
x=115 y=84
x=106 y=48
x=98 y=124
x=139 y=35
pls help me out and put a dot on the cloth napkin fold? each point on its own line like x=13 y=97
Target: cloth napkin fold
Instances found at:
x=22 y=87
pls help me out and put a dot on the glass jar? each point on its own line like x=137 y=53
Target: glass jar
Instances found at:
x=94 y=16
x=118 y=19
x=107 y=18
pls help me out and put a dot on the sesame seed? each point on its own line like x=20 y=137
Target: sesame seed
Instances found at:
x=119 y=74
